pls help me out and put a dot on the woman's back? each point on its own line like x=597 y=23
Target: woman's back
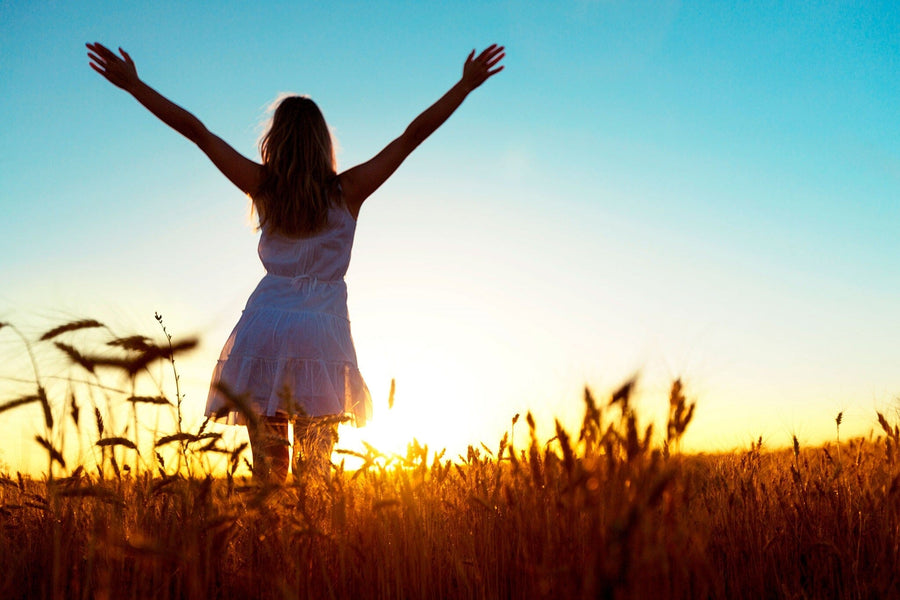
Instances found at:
x=323 y=256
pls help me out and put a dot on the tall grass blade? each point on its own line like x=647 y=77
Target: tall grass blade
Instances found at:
x=22 y=401
x=55 y=455
x=72 y=326
x=117 y=441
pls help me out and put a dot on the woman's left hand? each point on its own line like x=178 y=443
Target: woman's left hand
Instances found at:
x=118 y=70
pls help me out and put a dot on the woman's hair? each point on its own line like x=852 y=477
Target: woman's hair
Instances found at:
x=298 y=170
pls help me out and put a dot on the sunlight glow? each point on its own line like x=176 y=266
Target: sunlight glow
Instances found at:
x=422 y=411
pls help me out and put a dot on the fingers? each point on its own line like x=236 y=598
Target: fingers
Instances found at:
x=105 y=57
x=486 y=51
x=98 y=54
x=490 y=55
x=490 y=64
x=478 y=70
x=490 y=52
x=97 y=63
x=489 y=58
x=101 y=71
x=118 y=69
x=101 y=50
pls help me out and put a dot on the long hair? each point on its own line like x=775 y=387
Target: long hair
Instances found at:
x=299 y=170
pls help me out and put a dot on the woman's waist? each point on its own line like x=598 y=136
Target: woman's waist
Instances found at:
x=299 y=279
x=300 y=293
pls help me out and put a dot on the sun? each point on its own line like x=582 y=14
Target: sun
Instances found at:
x=392 y=429
x=440 y=416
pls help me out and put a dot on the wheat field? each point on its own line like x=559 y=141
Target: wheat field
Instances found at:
x=612 y=510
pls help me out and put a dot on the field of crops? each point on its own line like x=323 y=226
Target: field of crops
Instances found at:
x=602 y=512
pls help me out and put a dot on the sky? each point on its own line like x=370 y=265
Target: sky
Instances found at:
x=697 y=190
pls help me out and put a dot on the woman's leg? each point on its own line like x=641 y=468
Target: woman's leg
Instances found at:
x=269 y=445
x=314 y=440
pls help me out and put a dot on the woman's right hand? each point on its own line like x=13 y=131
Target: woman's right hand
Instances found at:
x=477 y=70
x=119 y=71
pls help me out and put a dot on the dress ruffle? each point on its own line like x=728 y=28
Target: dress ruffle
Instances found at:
x=307 y=386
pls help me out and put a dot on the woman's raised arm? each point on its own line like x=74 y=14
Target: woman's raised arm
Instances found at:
x=121 y=72
x=359 y=182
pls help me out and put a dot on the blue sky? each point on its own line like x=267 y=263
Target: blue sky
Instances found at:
x=696 y=189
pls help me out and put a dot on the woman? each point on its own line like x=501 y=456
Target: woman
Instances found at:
x=290 y=357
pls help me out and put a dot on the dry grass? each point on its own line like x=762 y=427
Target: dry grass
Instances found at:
x=606 y=513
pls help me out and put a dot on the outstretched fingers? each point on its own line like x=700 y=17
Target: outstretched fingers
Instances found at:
x=478 y=70
x=492 y=55
x=493 y=49
x=99 y=56
x=493 y=62
x=104 y=57
x=101 y=51
x=118 y=69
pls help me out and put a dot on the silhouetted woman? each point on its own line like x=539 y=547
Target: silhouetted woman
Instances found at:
x=291 y=357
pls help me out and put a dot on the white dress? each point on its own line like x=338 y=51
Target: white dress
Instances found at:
x=292 y=345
